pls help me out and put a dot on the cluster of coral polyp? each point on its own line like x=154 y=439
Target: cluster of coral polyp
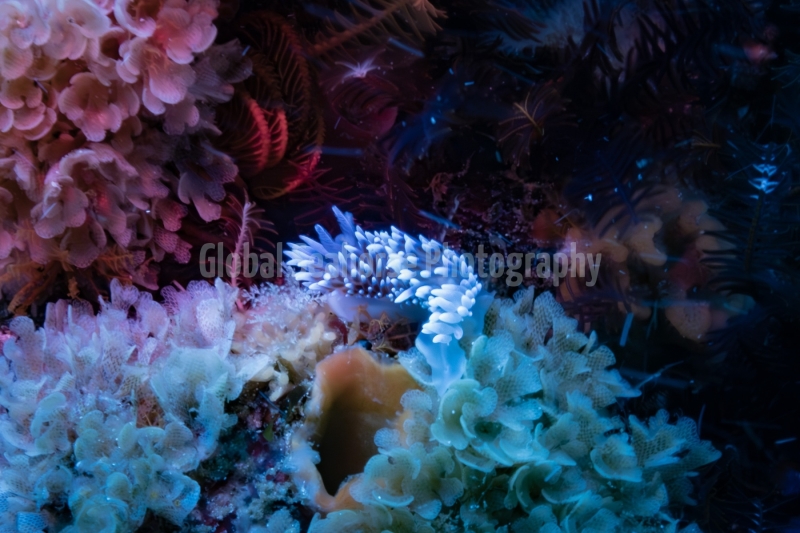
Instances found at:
x=148 y=412
x=105 y=419
x=528 y=439
x=104 y=109
x=124 y=418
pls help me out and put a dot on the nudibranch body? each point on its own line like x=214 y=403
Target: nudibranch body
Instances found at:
x=390 y=271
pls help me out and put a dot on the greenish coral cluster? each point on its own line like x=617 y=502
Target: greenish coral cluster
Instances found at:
x=75 y=395
x=526 y=440
x=104 y=418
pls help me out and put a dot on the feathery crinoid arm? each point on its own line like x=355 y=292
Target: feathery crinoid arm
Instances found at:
x=379 y=21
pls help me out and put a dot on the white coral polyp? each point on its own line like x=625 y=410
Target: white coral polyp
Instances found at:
x=137 y=16
x=75 y=26
x=22 y=26
x=24 y=109
x=186 y=28
x=95 y=108
x=63 y=206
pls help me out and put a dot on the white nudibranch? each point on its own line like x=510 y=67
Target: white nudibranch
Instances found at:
x=391 y=271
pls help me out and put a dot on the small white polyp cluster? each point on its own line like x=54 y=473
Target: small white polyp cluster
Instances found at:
x=397 y=268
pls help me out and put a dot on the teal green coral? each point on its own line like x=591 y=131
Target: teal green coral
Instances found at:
x=526 y=441
x=419 y=477
x=113 y=412
x=74 y=394
x=373 y=518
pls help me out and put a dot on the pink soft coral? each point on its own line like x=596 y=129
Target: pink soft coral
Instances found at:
x=137 y=16
x=165 y=82
x=24 y=109
x=186 y=28
x=22 y=25
x=76 y=27
x=203 y=176
x=161 y=58
x=93 y=97
x=95 y=108
x=63 y=206
x=6 y=235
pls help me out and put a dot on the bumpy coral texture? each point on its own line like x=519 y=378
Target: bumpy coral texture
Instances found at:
x=109 y=414
x=92 y=95
x=526 y=441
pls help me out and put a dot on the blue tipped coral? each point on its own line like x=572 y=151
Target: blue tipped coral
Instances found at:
x=392 y=271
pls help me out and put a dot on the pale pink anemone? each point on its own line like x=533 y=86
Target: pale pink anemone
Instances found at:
x=22 y=26
x=186 y=28
x=95 y=108
x=137 y=16
x=165 y=82
x=63 y=205
x=17 y=163
x=24 y=108
x=96 y=96
x=76 y=27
